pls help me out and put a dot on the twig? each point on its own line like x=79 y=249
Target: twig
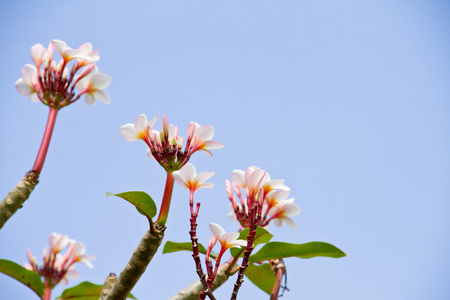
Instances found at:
x=245 y=259
x=195 y=254
x=279 y=269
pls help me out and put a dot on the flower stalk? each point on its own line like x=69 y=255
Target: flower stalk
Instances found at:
x=167 y=197
x=43 y=149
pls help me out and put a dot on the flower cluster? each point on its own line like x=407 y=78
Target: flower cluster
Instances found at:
x=54 y=84
x=166 y=146
x=264 y=201
x=57 y=266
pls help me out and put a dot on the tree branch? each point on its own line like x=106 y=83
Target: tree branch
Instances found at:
x=15 y=199
x=137 y=264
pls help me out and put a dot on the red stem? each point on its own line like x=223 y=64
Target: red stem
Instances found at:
x=165 y=205
x=245 y=259
x=40 y=158
x=47 y=293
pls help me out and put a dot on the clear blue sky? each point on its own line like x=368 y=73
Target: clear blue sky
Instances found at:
x=348 y=101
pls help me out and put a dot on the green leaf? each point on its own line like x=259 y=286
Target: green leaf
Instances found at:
x=262 y=236
x=275 y=250
x=84 y=291
x=262 y=276
x=30 y=278
x=170 y=247
x=143 y=202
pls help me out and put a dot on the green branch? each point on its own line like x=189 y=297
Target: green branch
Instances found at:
x=15 y=199
x=137 y=264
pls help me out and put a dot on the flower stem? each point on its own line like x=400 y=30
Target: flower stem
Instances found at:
x=167 y=197
x=195 y=254
x=280 y=270
x=47 y=293
x=40 y=158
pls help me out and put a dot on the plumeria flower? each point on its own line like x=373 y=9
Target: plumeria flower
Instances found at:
x=91 y=86
x=139 y=130
x=68 y=53
x=188 y=178
x=54 y=85
x=79 y=250
x=166 y=146
x=201 y=138
x=226 y=240
x=283 y=211
x=58 y=241
x=38 y=54
x=26 y=84
x=58 y=267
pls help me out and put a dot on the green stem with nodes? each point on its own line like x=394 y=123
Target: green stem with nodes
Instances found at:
x=165 y=205
x=15 y=199
x=193 y=291
x=137 y=264
x=109 y=283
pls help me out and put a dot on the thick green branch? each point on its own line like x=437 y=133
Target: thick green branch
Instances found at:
x=137 y=264
x=192 y=292
x=109 y=282
x=14 y=200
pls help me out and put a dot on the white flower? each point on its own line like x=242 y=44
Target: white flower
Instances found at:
x=26 y=85
x=283 y=211
x=91 y=86
x=227 y=240
x=138 y=130
x=188 y=178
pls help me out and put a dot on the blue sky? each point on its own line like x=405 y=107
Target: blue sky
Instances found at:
x=347 y=101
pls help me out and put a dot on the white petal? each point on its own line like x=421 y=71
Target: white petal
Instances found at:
x=24 y=88
x=291 y=223
x=90 y=99
x=202 y=177
x=188 y=172
x=205 y=132
x=238 y=178
x=217 y=230
x=100 y=81
x=102 y=96
x=128 y=132
x=141 y=121
x=59 y=46
x=34 y=97
x=27 y=71
x=179 y=178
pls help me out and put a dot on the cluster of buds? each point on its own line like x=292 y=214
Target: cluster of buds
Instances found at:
x=166 y=146
x=58 y=267
x=265 y=199
x=54 y=83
